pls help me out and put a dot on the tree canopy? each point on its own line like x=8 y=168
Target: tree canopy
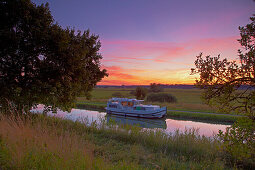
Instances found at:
x=40 y=62
x=140 y=92
x=155 y=88
x=230 y=85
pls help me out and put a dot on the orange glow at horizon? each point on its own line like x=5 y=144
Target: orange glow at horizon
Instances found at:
x=118 y=76
x=142 y=63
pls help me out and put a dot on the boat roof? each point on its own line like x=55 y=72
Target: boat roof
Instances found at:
x=126 y=100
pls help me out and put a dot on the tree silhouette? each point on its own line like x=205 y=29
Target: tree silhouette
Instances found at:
x=230 y=85
x=156 y=88
x=140 y=92
x=40 y=62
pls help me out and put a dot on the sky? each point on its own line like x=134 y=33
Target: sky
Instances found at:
x=156 y=41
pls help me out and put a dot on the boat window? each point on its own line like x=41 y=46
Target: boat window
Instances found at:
x=130 y=104
x=124 y=103
x=113 y=106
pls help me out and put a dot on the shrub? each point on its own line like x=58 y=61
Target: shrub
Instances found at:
x=161 y=97
x=117 y=94
x=156 y=88
x=239 y=143
x=140 y=92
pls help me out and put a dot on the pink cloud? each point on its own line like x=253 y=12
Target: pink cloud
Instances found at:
x=213 y=26
x=137 y=62
x=133 y=51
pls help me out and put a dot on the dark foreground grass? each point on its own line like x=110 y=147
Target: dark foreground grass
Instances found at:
x=218 y=118
x=41 y=142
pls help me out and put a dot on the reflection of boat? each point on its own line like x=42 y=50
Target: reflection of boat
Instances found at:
x=134 y=108
x=145 y=123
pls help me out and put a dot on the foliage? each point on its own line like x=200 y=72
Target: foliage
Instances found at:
x=221 y=79
x=161 y=97
x=140 y=92
x=156 y=88
x=40 y=62
x=239 y=142
x=119 y=147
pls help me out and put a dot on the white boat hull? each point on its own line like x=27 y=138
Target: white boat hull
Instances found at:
x=159 y=113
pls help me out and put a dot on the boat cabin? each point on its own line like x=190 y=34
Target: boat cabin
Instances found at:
x=134 y=108
x=129 y=104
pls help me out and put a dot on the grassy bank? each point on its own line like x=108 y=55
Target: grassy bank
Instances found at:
x=171 y=114
x=41 y=142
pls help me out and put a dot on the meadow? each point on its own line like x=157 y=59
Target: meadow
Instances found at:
x=41 y=142
x=189 y=104
x=188 y=99
x=29 y=141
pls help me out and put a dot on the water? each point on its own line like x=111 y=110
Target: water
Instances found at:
x=169 y=125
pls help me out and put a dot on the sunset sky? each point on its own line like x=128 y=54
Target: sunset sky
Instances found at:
x=146 y=41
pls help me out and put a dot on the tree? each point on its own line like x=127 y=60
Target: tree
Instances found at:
x=140 y=92
x=156 y=88
x=40 y=62
x=230 y=85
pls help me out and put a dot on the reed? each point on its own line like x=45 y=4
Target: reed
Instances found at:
x=41 y=142
x=30 y=143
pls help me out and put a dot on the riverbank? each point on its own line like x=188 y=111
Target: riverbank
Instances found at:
x=208 y=117
x=52 y=143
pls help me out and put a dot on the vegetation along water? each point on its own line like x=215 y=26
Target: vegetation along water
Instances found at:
x=43 y=63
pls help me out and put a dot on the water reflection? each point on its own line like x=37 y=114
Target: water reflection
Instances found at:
x=206 y=129
x=75 y=115
x=169 y=125
x=144 y=123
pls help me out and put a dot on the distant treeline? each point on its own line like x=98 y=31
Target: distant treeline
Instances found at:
x=174 y=86
x=179 y=86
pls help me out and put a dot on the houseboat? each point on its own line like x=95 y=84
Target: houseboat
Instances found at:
x=134 y=108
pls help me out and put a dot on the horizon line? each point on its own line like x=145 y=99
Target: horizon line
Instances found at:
x=145 y=84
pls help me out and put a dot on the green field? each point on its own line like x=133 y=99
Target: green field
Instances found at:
x=188 y=99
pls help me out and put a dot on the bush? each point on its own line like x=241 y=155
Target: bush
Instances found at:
x=117 y=94
x=238 y=143
x=140 y=93
x=156 y=88
x=161 y=97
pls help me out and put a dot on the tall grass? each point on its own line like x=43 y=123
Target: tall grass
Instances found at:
x=41 y=142
x=27 y=143
x=188 y=149
x=188 y=145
